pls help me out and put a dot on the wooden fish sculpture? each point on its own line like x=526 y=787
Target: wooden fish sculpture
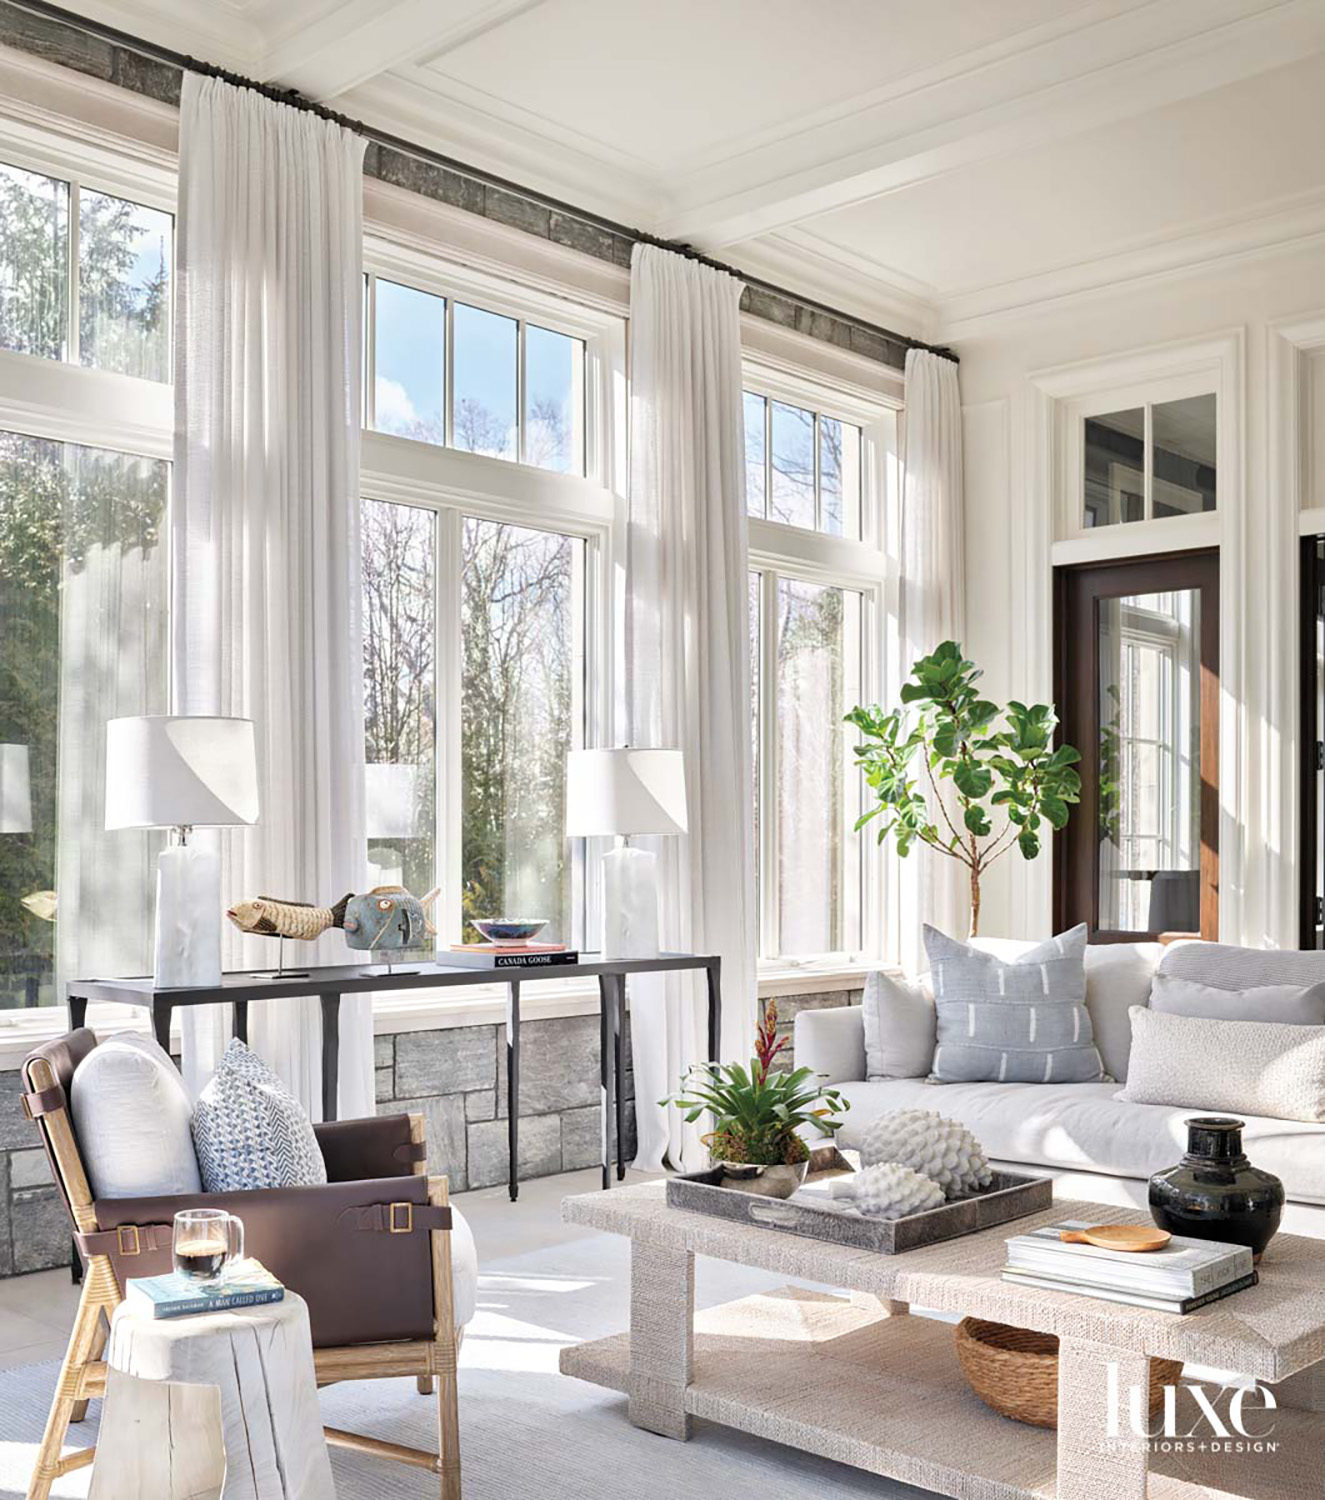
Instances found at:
x=264 y=916
x=386 y=917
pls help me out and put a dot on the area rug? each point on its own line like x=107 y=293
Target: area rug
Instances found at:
x=527 y=1432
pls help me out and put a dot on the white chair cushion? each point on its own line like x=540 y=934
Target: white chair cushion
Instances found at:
x=250 y=1131
x=1082 y=1127
x=131 y=1113
x=464 y=1269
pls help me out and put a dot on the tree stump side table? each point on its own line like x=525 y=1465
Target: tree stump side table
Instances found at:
x=216 y=1406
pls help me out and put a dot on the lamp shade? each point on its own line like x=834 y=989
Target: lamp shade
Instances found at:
x=389 y=792
x=625 y=792
x=15 y=790
x=169 y=771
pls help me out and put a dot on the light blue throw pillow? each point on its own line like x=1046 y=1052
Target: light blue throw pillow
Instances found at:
x=250 y=1131
x=1020 y=1022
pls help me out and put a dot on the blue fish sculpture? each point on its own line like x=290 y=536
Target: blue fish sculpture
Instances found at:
x=387 y=917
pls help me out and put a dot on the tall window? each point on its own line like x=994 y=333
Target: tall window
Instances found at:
x=479 y=586
x=84 y=279
x=816 y=596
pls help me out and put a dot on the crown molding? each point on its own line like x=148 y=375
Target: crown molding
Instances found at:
x=1285 y=227
x=219 y=31
x=801 y=261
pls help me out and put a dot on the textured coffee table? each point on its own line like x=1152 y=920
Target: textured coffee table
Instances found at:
x=851 y=1378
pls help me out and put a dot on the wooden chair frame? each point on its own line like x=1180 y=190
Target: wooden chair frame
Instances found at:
x=83 y=1371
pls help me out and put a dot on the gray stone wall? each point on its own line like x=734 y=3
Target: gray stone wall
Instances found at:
x=455 y=1077
x=84 y=52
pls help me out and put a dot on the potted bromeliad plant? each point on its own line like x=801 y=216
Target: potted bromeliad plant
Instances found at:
x=957 y=773
x=757 y=1113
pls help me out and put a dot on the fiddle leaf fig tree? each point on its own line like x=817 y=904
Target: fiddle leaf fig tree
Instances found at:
x=951 y=770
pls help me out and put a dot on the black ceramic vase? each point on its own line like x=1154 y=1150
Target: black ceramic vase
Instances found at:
x=1214 y=1193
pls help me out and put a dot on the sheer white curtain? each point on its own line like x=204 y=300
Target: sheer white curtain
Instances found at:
x=688 y=664
x=267 y=597
x=933 y=608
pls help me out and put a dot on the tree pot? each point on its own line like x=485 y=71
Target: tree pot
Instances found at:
x=1214 y=1193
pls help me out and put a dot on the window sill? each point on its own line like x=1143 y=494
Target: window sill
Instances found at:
x=419 y=1010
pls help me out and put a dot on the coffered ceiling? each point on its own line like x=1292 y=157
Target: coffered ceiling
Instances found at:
x=923 y=162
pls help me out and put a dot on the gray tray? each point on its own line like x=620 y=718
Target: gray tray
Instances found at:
x=1008 y=1197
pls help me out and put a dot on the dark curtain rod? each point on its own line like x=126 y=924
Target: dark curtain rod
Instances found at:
x=295 y=100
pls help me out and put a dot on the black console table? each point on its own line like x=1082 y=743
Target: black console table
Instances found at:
x=242 y=989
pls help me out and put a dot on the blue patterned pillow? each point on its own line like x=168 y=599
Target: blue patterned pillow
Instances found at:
x=1019 y=1022
x=250 y=1131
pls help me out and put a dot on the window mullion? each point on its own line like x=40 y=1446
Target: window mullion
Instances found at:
x=770 y=944
x=73 y=251
x=448 y=375
x=448 y=724
x=370 y=353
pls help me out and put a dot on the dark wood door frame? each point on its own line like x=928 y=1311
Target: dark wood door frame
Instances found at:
x=1311 y=745
x=1078 y=591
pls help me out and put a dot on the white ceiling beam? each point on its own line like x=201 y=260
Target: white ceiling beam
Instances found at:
x=359 y=41
x=1126 y=64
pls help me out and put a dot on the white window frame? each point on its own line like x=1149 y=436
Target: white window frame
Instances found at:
x=63 y=401
x=868 y=567
x=454 y=484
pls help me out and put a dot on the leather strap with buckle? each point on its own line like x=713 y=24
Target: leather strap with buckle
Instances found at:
x=396 y=1218
x=43 y=1101
x=410 y=1151
x=126 y=1240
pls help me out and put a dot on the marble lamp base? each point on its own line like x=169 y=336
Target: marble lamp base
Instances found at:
x=188 y=917
x=630 y=903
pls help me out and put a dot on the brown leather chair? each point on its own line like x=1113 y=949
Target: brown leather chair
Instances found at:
x=370 y=1253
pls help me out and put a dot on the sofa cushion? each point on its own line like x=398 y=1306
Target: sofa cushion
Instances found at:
x=1118 y=976
x=131 y=1112
x=1225 y=966
x=1082 y=1127
x=250 y=1131
x=1283 y=1004
x=1019 y=1022
x=900 y=1026
x=1242 y=1067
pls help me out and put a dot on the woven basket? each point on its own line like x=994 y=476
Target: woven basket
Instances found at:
x=1016 y=1371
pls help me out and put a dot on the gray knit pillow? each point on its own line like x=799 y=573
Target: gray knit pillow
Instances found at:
x=250 y=1131
x=1019 y=1022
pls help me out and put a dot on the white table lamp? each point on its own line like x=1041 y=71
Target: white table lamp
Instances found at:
x=389 y=802
x=15 y=790
x=626 y=793
x=170 y=771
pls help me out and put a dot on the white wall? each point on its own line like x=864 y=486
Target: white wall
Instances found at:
x=1272 y=307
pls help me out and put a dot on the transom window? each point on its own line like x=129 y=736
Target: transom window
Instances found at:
x=85 y=276
x=450 y=373
x=801 y=467
x=1149 y=461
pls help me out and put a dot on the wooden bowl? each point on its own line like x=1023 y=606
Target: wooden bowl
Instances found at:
x=1015 y=1370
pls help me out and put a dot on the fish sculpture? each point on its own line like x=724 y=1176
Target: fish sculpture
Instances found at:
x=386 y=917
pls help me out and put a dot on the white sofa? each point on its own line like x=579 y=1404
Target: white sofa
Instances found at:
x=1096 y=1146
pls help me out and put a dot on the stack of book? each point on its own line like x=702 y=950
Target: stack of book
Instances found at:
x=1184 y=1275
x=511 y=955
x=245 y=1283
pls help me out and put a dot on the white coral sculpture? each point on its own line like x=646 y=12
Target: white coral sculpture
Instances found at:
x=888 y=1191
x=939 y=1149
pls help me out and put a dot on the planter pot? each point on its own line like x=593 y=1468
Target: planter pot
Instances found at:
x=1214 y=1193
x=779 y=1181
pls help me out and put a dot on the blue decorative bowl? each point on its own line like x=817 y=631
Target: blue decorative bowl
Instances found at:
x=511 y=929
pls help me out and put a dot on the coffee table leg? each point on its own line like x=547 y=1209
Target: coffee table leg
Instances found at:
x=1093 y=1462
x=1304 y=1391
x=662 y=1338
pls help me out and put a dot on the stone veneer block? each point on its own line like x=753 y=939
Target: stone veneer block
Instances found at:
x=384 y=1082
x=41 y=1230
x=489 y=1149
x=56 y=42
x=581 y=1139
x=445 y=1118
x=558 y=1066
x=446 y=1062
x=29 y=1169
x=146 y=76
x=520 y=213
x=384 y=1051
x=6 y=1238
x=428 y=179
x=17 y=1132
x=481 y=1105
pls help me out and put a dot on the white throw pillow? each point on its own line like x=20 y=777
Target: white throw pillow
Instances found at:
x=1282 y=1004
x=131 y=1111
x=251 y=1132
x=900 y=1026
x=1239 y=1067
